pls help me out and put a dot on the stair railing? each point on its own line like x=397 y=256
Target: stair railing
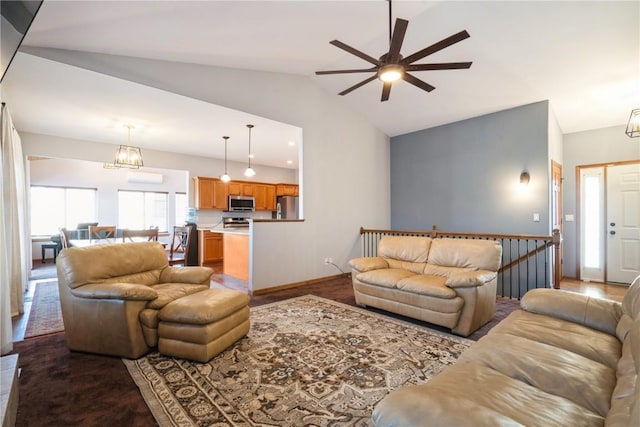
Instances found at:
x=528 y=261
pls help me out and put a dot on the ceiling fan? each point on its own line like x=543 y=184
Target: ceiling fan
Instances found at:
x=392 y=66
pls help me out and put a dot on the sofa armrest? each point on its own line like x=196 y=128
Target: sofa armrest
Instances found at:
x=368 y=263
x=602 y=315
x=469 y=279
x=123 y=291
x=193 y=275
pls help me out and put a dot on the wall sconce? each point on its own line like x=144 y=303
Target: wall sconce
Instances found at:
x=633 y=127
x=524 y=178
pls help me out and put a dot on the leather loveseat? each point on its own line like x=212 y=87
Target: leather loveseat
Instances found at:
x=448 y=282
x=566 y=359
x=111 y=295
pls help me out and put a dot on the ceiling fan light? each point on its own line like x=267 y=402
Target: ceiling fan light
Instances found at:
x=391 y=72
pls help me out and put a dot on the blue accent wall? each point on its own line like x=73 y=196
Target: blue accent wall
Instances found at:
x=464 y=176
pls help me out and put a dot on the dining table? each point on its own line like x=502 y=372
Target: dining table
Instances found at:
x=83 y=243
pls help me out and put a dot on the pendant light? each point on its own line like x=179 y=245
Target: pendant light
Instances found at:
x=225 y=177
x=249 y=172
x=128 y=156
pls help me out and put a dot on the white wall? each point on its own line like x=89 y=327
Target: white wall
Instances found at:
x=345 y=162
x=586 y=148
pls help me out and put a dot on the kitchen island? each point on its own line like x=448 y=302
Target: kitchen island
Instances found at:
x=231 y=245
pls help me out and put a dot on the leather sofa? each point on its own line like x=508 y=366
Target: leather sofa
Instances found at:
x=566 y=359
x=111 y=295
x=448 y=282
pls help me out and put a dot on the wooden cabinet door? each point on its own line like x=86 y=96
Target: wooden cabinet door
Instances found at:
x=204 y=193
x=247 y=189
x=270 y=198
x=235 y=189
x=286 y=190
x=220 y=195
x=260 y=194
x=211 y=247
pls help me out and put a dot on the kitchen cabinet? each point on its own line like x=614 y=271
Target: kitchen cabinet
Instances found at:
x=241 y=188
x=286 y=189
x=210 y=247
x=265 y=195
x=210 y=193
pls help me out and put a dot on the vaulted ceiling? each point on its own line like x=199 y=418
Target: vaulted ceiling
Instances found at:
x=583 y=56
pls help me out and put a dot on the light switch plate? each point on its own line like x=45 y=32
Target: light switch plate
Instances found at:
x=569 y=218
x=536 y=217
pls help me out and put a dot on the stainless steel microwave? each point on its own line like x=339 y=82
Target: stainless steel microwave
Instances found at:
x=242 y=204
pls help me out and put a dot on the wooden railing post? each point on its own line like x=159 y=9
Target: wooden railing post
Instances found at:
x=557 y=261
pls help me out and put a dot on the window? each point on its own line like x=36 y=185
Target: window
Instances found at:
x=181 y=208
x=142 y=209
x=56 y=207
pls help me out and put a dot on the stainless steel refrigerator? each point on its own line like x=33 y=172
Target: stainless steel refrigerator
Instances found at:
x=286 y=207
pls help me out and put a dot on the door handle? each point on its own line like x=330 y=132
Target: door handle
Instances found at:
x=612 y=232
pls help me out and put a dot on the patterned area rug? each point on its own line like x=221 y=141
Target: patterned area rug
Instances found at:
x=306 y=361
x=45 y=316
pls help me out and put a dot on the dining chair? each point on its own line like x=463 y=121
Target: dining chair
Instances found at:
x=64 y=238
x=179 y=248
x=151 y=235
x=101 y=232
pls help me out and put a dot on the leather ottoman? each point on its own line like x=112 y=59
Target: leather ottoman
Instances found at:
x=202 y=325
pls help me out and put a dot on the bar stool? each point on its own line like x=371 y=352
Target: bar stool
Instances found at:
x=49 y=245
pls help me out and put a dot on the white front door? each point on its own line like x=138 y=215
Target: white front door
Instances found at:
x=623 y=223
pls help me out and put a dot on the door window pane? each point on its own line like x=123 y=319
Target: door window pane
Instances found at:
x=593 y=220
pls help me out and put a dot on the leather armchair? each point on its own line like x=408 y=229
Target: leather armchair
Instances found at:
x=110 y=295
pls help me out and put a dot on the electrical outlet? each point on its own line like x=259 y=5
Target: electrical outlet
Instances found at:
x=328 y=260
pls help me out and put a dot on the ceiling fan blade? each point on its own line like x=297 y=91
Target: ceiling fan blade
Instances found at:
x=355 y=52
x=417 y=82
x=399 y=30
x=386 y=90
x=356 y=86
x=436 y=47
x=442 y=66
x=363 y=70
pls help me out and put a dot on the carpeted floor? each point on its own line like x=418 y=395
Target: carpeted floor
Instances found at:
x=306 y=361
x=63 y=388
x=45 y=316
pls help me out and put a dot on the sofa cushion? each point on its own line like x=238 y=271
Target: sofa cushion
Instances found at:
x=98 y=263
x=168 y=292
x=583 y=381
x=388 y=277
x=466 y=253
x=424 y=284
x=405 y=252
x=470 y=394
x=595 y=345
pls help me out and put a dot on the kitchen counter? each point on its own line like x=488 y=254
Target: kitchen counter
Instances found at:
x=220 y=229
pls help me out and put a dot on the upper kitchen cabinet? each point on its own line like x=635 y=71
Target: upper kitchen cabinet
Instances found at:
x=211 y=193
x=241 y=188
x=286 y=190
x=265 y=195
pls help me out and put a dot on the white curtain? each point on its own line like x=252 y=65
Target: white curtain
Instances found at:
x=14 y=230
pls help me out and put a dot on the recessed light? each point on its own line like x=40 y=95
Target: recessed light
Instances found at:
x=292 y=143
x=289 y=161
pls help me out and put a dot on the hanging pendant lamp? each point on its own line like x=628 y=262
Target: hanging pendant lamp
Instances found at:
x=128 y=156
x=225 y=177
x=249 y=172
